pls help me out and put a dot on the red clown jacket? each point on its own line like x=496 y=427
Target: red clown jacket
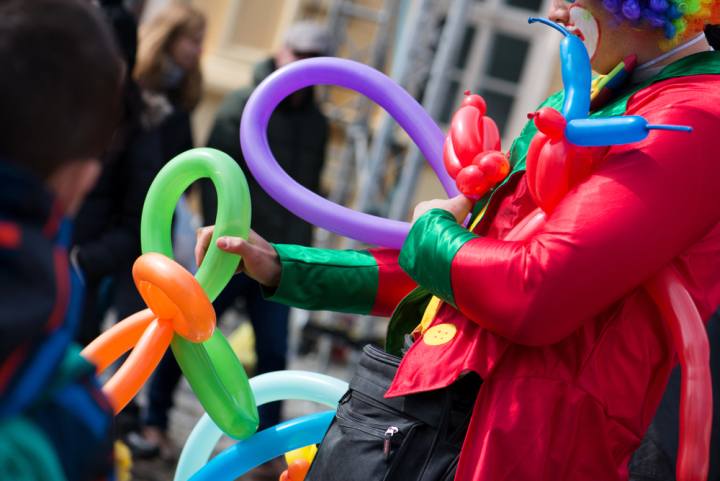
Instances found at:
x=573 y=354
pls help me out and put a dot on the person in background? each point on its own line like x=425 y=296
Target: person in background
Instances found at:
x=107 y=227
x=60 y=101
x=168 y=71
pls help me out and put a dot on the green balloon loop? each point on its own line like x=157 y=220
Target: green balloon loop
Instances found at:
x=213 y=370
x=233 y=216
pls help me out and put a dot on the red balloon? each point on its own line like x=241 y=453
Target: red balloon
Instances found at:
x=452 y=163
x=475 y=101
x=580 y=168
x=692 y=347
x=493 y=164
x=466 y=134
x=550 y=122
x=552 y=180
x=491 y=134
x=532 y=163
x=472 y=183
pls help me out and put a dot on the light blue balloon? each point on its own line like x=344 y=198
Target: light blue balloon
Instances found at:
x=273 y=386
x=264 y=446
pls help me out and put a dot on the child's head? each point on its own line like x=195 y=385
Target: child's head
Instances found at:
x=59 y=91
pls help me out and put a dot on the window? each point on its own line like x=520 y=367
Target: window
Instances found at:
x=503 y=59
x=507 y=57
x=532 y=5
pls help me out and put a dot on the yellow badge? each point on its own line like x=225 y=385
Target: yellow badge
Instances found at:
x=440 y=334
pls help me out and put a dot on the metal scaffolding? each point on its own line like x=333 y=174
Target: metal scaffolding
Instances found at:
x=378 y=170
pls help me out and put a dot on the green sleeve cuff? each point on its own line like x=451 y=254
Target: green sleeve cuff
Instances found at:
x=429 y=250
x=325 y=279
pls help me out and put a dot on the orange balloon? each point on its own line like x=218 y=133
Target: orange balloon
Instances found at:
x=298 y=469
x=177 y=305
x=173 y=293
x=140 y=364
x=117 y=340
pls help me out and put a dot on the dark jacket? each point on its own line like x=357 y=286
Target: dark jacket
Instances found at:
x=43 y=380
x=107 y=228
x=297 y=134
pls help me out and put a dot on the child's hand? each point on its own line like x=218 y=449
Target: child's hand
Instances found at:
x=458 y=206
x=259 y=259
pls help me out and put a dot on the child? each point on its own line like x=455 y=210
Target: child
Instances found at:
x=59 y=104
x=572 y=352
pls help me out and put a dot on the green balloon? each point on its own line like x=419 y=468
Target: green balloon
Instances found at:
x=213 y=370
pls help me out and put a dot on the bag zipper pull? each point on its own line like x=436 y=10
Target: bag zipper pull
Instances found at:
x=389 y=433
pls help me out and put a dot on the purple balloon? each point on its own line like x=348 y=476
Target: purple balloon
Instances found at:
x=303 y=202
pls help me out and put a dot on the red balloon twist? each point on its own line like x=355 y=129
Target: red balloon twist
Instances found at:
x=472 y=149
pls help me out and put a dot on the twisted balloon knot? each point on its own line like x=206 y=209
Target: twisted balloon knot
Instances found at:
x=178 y=305
x=472 y=149
x=174 y=295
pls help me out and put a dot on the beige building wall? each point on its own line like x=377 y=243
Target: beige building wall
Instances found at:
x=240 y=33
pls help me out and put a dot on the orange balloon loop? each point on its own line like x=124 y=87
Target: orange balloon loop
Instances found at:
x=177 y=304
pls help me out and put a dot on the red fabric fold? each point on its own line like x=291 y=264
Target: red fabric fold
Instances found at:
x=393 y=282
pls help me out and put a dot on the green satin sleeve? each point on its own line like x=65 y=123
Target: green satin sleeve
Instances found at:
x=325 y=279
x=429 y=249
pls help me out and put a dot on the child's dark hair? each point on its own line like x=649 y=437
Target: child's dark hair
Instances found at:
x=60 y=83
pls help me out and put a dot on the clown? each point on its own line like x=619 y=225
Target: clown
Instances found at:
x=572 y=352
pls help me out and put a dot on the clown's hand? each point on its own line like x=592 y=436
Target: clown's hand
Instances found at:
x=259 y=259
x=458 y=206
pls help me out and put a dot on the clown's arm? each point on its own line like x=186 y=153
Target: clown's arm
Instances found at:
x=644 y=205
x=355 y=281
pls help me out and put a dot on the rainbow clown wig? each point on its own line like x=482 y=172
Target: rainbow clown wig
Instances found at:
x=677 y=18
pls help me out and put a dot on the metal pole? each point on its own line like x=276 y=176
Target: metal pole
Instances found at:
x=450 y=43
x=368 y=183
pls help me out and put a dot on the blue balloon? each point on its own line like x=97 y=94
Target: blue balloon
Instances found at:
x=577 y=81
x=273 y=386
x=266 y=445
x=576 y=72
x=613 y=130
